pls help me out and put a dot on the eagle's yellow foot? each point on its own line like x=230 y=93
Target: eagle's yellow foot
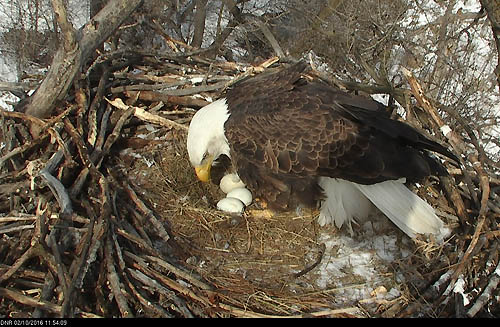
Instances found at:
x=262 y=204
x=261 y=213
x=262 y=210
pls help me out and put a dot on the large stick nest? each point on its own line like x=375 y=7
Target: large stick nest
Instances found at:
x=102 y=217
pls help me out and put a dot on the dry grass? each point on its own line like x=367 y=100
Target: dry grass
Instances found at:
x=260 y=263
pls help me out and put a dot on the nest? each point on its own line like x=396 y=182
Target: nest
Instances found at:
x=103 y=217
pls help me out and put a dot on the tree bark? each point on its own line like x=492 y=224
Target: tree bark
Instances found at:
x=492 y=8
x=199 y=23
x=73 y=51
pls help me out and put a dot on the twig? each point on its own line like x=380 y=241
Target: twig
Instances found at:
x=21 y=217
x=154 y=285
x=47 y=306
x=59 y=192
x=315 y=264
x=167 y=281
x=35 y=249
x=470 y=249
x=249 y=314
x=269 y=36
x=92 y=116
x=146 y=116
x=179 y=272
x=170 y=99
x=148 y=213
x=484 y=183
x=419 y=94
x=138 y=241
x=487 y=293
x=10 y=229
x=114 y=281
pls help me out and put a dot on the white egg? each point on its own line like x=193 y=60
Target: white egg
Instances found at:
x=231 y=205
x=230 y=182
x=242 y=194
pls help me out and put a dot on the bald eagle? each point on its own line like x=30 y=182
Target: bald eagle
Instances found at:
x=294 y=140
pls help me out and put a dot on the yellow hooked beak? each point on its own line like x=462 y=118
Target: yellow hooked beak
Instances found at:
x=203 y=170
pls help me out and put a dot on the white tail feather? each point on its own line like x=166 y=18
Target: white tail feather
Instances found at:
x=347 y=201
x=344 y=203
x=404 y=208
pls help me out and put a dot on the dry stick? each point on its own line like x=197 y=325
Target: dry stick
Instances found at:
x=487 y=294
x=21 y=217
x=419 y=94
x=24 y=273
x=146 y=116
x=138 y=223
x=315 y=263
x=23 y=116
x=118 y=250
x=455 y=141
x=10 y=229
x=249 y=314
x=93 y=240
x=114 y=281
x=461 y=265
x=59 y=192
x=179 y=272
x=96 y=102
x=149 y=87
x=455 y=198
x=101 y=138
x=185 y=101
x=470 y=132
x=483 y=182
x=11 y=143
x=26 y=300
x=156 y=286
x=35 y=248
x=64 y=147
x=142 y=265
x=105 y=205
x=39 y=139
x=82 y=150
x=33 y=251
x=44 y=305
x=47 y=291
x=102 y=147
x=269 y=36
x=49 y=283
x=22 y=148
x=62 y=197
x=138 y=241
x=62 y=272
x=148 y=304
x=147 y=212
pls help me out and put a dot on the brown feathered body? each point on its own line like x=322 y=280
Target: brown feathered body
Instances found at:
x=285 y=131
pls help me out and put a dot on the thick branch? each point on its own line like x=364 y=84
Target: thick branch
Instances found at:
x=71 y=55
x=199 y=23
x=492 y=8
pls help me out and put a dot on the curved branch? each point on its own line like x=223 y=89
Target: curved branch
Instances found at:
x=71 y=55
x=492 y=8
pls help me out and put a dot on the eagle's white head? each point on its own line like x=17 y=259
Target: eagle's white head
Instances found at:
x=206 y=140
